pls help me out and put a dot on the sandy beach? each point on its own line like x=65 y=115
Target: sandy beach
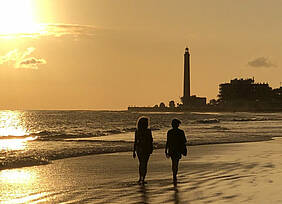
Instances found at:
x=221 y=173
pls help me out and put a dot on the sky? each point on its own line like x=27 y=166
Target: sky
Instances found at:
x=111 y=54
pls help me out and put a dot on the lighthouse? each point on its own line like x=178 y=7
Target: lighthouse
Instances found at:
x=186 y=84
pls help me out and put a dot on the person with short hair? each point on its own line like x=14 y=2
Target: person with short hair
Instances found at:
x=143 y=146
x=175 y=146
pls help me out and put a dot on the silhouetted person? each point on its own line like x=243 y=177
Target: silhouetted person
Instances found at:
x=175 y=146
x=143 y=146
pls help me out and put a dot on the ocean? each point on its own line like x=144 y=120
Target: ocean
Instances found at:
x=29 y=138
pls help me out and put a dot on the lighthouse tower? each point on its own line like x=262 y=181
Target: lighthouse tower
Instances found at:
x=186 y=88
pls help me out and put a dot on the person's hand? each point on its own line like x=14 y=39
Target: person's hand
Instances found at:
x=167 y=155
x=134 y=155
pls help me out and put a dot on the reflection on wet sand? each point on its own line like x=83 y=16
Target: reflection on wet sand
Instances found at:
x=17 y=176
x=16 y=185
x=176 y=196
x=144 y=195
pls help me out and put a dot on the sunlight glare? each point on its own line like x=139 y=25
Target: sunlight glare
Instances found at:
x=16 y=18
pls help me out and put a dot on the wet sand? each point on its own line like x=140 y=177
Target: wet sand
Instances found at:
x=223 y=173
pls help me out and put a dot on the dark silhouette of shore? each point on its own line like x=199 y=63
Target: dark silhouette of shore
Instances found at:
x=240 y=95
x=236 y=96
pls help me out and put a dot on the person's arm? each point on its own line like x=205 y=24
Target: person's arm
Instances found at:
x=166 y=146
x=134 y=146
x=184 y=144
x=184 y=138
x=151 y=138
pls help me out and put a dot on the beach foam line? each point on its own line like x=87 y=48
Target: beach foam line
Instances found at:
x=77 y=148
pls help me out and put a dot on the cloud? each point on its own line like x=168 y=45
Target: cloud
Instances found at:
x=261 y=62
x=75 y=30
x=22 y=59
x=31 y=62
x=56 y=30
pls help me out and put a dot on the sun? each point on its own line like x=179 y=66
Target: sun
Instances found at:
x=17 y=18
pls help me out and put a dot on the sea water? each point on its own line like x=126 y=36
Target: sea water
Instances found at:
x=30 y=138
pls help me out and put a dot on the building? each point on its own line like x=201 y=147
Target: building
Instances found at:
x=188 y=102
x=186 y=84
x=187 y=99
x=244 y=90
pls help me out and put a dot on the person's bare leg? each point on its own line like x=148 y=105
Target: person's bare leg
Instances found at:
x=140 y=172
x=146 y=159
x=140 y=158
x=175 y=163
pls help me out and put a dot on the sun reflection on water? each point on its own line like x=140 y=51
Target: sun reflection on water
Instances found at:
x=13 y=131
x=15 y=144
x=16 y=176
x=12 y=124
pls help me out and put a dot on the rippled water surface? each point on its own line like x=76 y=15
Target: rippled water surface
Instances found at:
x=30 y=138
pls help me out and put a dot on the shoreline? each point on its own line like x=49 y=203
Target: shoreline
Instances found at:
x=124 y=149
x=234 y=173
x=202 y=109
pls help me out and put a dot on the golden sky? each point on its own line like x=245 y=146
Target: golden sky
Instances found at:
x=108 y=54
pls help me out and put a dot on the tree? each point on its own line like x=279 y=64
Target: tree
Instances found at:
x=171 y=104
x=213 y=102
x=162 y=105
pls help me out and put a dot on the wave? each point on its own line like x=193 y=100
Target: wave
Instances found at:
x=40 y=156
x=19 y=162
x=54 y=135
x=73 y=148
x=217 y=127
x=57 y=135
x=208 y=121
x=14 y=137
x=249 y=119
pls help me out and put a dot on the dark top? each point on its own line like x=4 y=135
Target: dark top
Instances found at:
x=143 y=143
x=176 y=141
